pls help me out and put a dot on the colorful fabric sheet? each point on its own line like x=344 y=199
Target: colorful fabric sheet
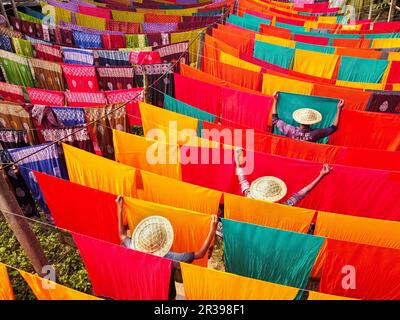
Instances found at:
x=135 y=151
x=361 y=271
x=87 y=40
x=96 y=172
x=116 y=78
x=267 y=214
x=46 y=97
x=278 y=55
x=362 y=70
x=85 y=99
x=104 y=120
x=122 y=273
x=11 y=92
x=289 y=102
x=16 y=69
x=80 y=78
x=272 y=83
x=95 y=217
x=48 y=52
x=45 y=289
x=132 y=98
x=70 y=116
x=208 y=284
x=48 y=75
x=187 y=196
x=113 y=58
x=78 y=56
x=269 y=254
x=190 y=228
x=42 y=158
x=384 y=102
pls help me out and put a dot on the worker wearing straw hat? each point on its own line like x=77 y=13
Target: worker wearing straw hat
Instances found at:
x=306 y=117
x=273 y=189
x=155 y=235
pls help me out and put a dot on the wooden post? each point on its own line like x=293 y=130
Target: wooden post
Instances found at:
x=391 y=10
x=371 y=3
x=20 y=227
x=4 y=13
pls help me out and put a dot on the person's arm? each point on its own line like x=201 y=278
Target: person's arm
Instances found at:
x=276 y=97
x=213 y=227
x=298 y=196
x=121 y=228
x=244 y=184
x=339 y=110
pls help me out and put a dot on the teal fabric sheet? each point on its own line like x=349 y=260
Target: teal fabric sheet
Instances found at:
x=362 y=70
x=290 y=102
x=269 y=254
x=314 y=47
x=275 y=54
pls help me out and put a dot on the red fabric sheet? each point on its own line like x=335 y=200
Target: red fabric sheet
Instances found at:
x=124 y=274
x=368 y=130
x=85 y=99
x=113 y=41
x=247 y=109
x=198 y=94
x=394 y=73
x=373 y=192
x=96 y=12
x=218 y=175
x=324 y=41
x=132 y=108
x=80 y=78
x=95 y=215
x=275 y=31
x=376 y=270
x=46 y=97
x=323 y=153
x=11 y=92
x=290 y=21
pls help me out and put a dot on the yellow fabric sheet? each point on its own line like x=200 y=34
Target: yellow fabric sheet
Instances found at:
x=138 y=152
x=209 y=284
x=236 y=62
x=394 y=56
x=315 y=63
x=190 y=228
x=179 y=194
x=127 y=16
x=272 y=83
x=382 y=233
x=275 y=40
x=386 y=43
x=268 y=214
x=361 y=85
x=312 y=295
x=90 y=21
x=167 y=122
x=48 y=290
x=6 y=292
x=62 y=15
x=355 y=27
x=194 y=41
x=327 y=19
x=99 y=173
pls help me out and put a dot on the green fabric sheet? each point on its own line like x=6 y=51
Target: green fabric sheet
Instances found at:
x=291 y=27
x=269 y=254
x=16 y=69
x=175 y=105
x=362 y=70
x=275 y=54
x=290 y=102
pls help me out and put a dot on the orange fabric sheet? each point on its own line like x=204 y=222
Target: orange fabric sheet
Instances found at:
x=6 y=291
x=179 y=194
x=351 y=43
x=360 y=53
x=267 y=214
x=147 y=154
x=48 y=290
x=354 y=99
